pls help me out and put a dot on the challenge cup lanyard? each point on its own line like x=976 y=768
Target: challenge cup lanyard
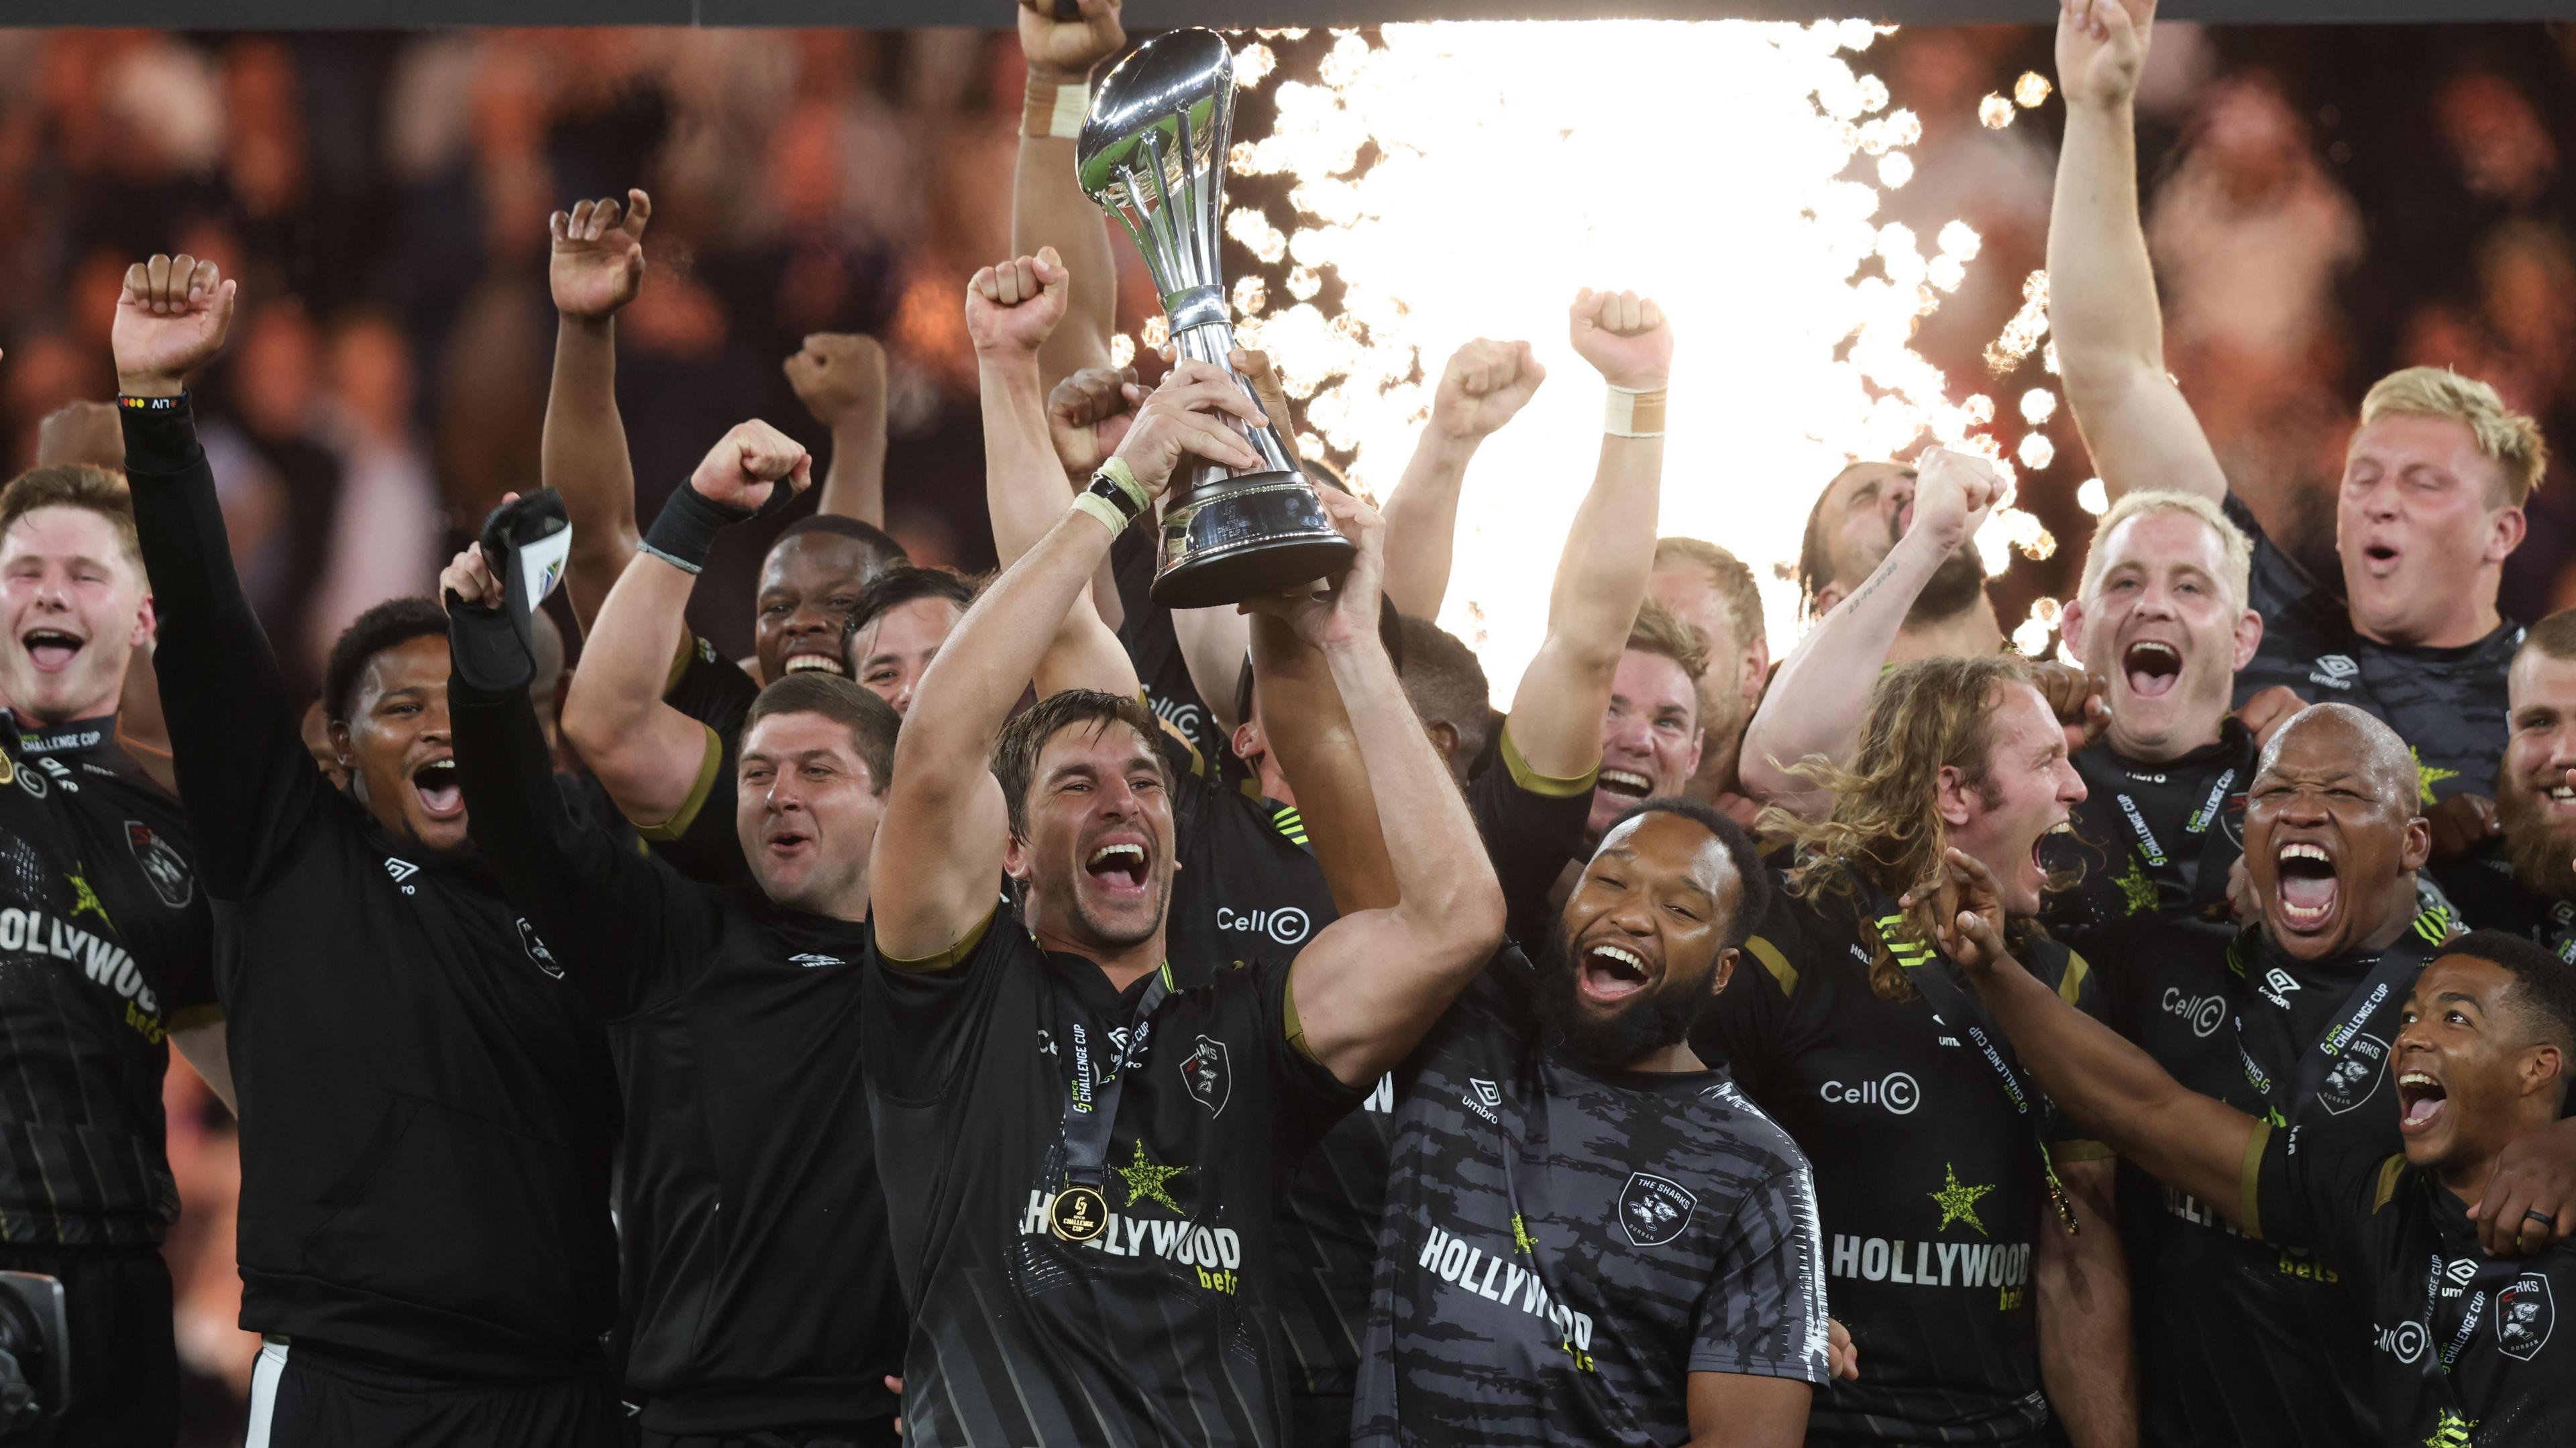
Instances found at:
x=1929 y=970
x=2204 y=879
x=1091 y=1102
x=2387 y=979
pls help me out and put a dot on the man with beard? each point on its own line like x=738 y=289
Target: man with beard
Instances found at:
x=2460 y=1345
x=108 y=949
x=1948 y=1193
x=2433 y=486
x=427 y=1115
x=1100 y=1130
x=747 y=1157
x=1858 y=520
x=2524 y=882
x=1591 y=1237
x=1711 y=590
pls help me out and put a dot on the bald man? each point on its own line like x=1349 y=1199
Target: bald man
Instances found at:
x=2290 y=1019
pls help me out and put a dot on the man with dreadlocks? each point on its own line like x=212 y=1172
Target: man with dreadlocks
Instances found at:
x=1969 y=1243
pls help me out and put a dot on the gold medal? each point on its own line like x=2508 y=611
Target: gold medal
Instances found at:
x=1078 y=1213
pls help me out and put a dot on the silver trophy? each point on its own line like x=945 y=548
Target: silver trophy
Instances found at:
x=1153 y=154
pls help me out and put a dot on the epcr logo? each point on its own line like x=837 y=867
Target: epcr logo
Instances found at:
x=2405 y=1342
x=2204 y=1012
x=1897 y=1092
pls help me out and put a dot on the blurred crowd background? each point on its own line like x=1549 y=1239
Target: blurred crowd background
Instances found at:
x=2326 y=204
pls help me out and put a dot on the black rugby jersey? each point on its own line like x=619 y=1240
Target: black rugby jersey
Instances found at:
x=1532 y=825
x=427 y=1112
x=2447 y=704
x=1929 y=1180
x=2463 y=1347
x=2482 y=886
x=2243 y=1341
x=105 y=947
x=699 y=839
x=2148 y=839
x=1564 y=1246
x=1161 y=1330
x=1145 y=629
x=747 y=1166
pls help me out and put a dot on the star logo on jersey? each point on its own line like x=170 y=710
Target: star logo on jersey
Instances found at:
x=2136 y=890
x=1653 y=1210
x=1521 y=1238
x=1209 y=1075
x=2525 y=1313
x=162 y=865
x=2427 y=776
x=1144 y=1179
x=2452 y=1431
x=85 y=900
x=1957 y=1203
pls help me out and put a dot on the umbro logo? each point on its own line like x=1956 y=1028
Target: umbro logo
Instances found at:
x=2335 y=671
x=2276 y=986
x=2460 y=1272
x=402 y=871
x=811 y=962
x=1484 y=1098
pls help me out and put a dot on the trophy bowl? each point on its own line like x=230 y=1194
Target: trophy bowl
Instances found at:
x=1152 y=153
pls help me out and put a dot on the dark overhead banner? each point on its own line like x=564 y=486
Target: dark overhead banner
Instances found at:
x=1161 y=14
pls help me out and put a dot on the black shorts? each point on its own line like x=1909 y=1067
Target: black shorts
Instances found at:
x=306 y=1396
x=876 y=1434
x=124 y=1359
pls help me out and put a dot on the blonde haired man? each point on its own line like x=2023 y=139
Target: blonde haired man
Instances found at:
x=2430 y=503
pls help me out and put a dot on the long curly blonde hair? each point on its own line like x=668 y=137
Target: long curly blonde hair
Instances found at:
x=1886 y=826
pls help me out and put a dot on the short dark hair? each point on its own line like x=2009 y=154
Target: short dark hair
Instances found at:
x=904 y=583
x=388 y=625
x=2543 y=985
x=872 y=721
x=2554 y=636
x=1015 y=754
x=882 y=549
x=1659 y=631
x=1446 y=682
x=1755 y=900
x=74 y=485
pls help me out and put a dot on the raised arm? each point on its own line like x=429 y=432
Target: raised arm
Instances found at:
x=646 y=753
x=939 y=849
x=2101 y=288
x=1048 y=207
x=1601 y=576
x=1371 y=983
x=596 y=268
x=611 y=919
x=238 y=743
x=1320 y=753
x=1484 y=386
x=1820 y=696
x=2108 y=1087
x=841 y=379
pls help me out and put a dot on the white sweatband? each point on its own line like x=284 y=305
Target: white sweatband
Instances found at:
x=1634 y=414
x=1054 y=108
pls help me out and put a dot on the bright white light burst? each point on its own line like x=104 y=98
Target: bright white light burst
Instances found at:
x=1709 y=165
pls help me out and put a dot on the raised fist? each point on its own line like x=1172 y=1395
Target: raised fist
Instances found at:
x=1624 y=337
x=1344 y=611
x=1485 y=385
x=840 y=377
x=746 y=463
x=598 y=261
x=2101 y=49
x=170 y=321
x=1953 y=492
x=1088 y=415
x=1187 y=416
x=1068 y=49
x=1011 y=309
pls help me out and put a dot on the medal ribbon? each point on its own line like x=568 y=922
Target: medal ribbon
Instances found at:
x=1091 y=1102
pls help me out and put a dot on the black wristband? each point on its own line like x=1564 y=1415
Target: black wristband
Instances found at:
x=175 y=402
x=688 y=524
x=490 y=657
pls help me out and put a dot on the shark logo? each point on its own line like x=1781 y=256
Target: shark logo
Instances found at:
x=1653 y=1210
x=1209 y=1075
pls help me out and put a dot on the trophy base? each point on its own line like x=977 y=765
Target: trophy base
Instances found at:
x=1250 y=535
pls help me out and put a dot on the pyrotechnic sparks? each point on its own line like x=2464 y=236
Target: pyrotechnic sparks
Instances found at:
x=1498 y=180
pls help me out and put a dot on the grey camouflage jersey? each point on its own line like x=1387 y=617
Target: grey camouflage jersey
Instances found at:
x=1563 y=1248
